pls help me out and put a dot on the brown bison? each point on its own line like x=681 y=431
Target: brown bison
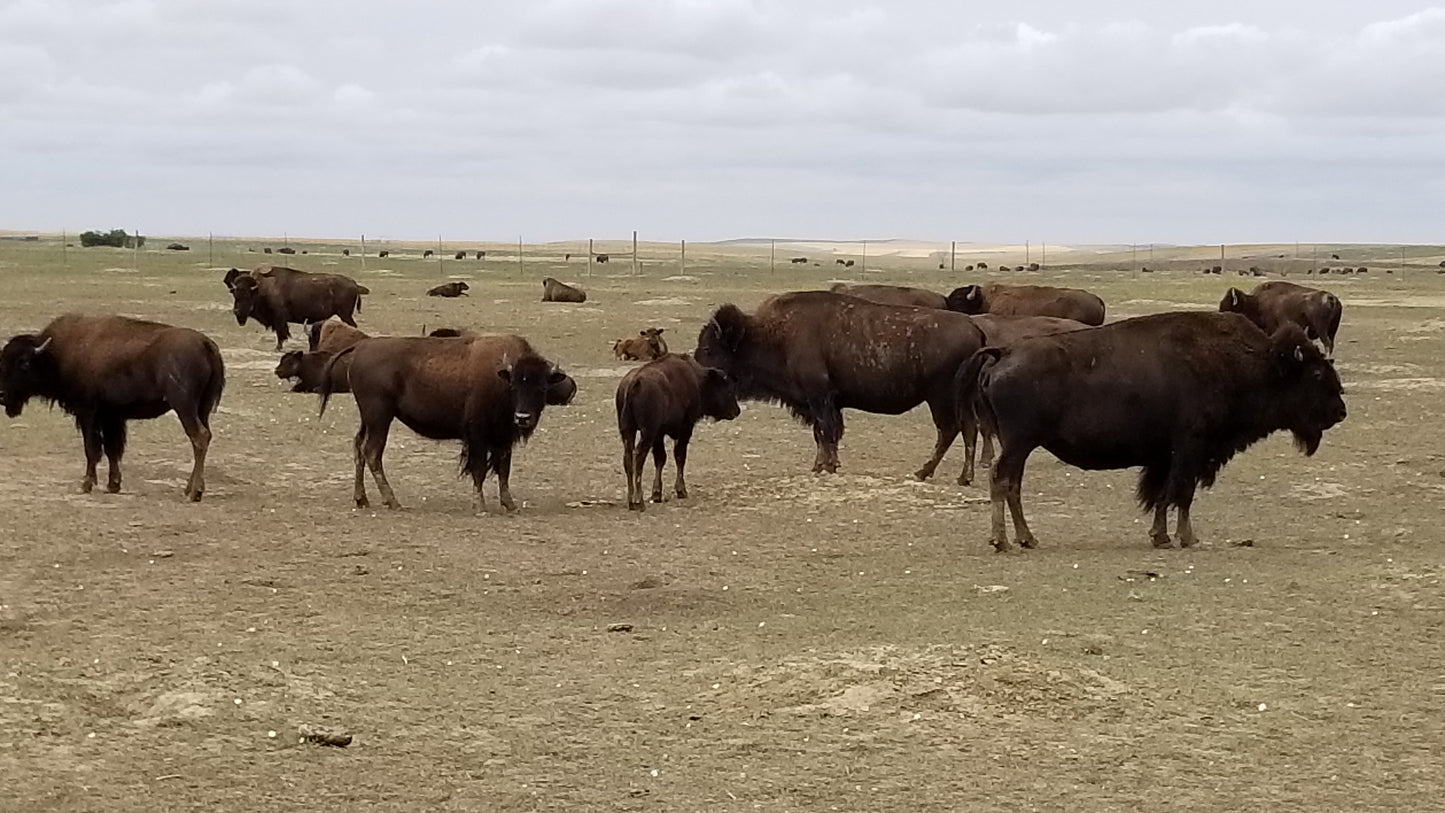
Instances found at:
x=602 y=258
x=554 y=291
x=648 y=344
x=450 y=289
x=818 y=353
x=275 y=297
x=308 y=368
x=486 y=391
x=1028 y=300
x=481 y=255
x=106 y=370
x=1272 y=304
x=1176 y=393
x=332 y=336
x=426 y=254
x=460 y=255
x=286 y=250
x=892 y=295
x=383 y=254
x=661 y=399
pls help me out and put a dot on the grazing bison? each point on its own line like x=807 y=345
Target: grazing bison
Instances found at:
x=460 y=255
x=106 y=370
x=450 y=289
x=838 y=261
x=266 y=250
x=601 y=258
x=1028 y=300
x=798 y=260
x=848 y=264
x=1178 y=394
x=892 y=295
x=554 y=291
x=818 y=353
x=426 y=254
x=275 y=297
x=481 y=255
x=486 y=391
x=286 y=250
x=648 y=344
x=665 y=398
x=1272 y=304
x=383 y=254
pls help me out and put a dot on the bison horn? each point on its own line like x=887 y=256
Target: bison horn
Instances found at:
x=971 y=295
x=1299 y=354
x=41 y=347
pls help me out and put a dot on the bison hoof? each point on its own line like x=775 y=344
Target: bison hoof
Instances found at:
x=86 y=487
x=682 y=493
x=657 y=496
x=362 y=502
x=965 y=479
x=637 y=506
x=1028 y=542
x=112 y=488
x=1161 y=541
x=1000 y=545
x=923 y=474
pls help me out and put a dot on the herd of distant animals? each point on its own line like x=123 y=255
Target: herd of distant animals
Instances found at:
x=1175 y=393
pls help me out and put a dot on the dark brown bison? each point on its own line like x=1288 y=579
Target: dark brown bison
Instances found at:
x=426 y=254
x=818 y=353
x=486 y=391
x=383 y=254
x=602 y=258
x=648 y=344
x=460 y=255
x=450 y=289
x=178 y=247
x=892 y=295
x=266 y=250
x=275 y=297
x=798 y=260
x=1028 y=300
x=848 y=264
x=106 y=370
x=481 y=255
x=665 y=398
x=1272 y=304
x=1176 y=393
x=286 y=250
x=332 y=336
x=554 y=291
x=308 y=367
x=346 y=252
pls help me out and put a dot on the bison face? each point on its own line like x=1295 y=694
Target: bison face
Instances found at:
x=21 y=371
x=721 y=340
x=719 y=397
x=245 y=290
x=1237 y=301
x=290 y=365
x=1312 y=396
x=528 y=381
x=968 y=299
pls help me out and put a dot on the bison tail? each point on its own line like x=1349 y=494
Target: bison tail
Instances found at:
x=215 y=385
x=968 y=384
x=325 y=383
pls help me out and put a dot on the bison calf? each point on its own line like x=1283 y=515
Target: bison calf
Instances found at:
x=648 y=344
x=310 y=369
x=666 y=398
x=106 y=370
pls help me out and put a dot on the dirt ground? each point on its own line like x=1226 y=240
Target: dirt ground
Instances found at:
x=796 y=642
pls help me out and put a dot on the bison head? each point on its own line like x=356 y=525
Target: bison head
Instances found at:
x=231 y=277
x=1308 y=390
x=290 y=365
x=720 y=342
x=968 y=299
x=23 y=370
x=246 y=291
x=719 y=396
x=529 y=381
x=1237 y=301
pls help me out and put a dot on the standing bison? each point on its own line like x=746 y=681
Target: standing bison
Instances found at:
x=275 y=297
x=106 y=370
x=486 y=391
x=1176 y=393
x=818 y=353
x=554 y=291
x=661 y=399
x=1272 y=304
x=1028 y=300
x=892 y=295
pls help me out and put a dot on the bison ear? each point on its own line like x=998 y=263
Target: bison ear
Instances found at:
x=505 y=374
x=1288 y=348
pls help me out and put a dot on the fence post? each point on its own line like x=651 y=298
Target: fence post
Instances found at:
x=634 y=252
x=953 y=256
x=682 y=259
x=589 y=256
x=520 y=272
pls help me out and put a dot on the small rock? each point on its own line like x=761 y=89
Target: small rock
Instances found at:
x=623 y=627
x=325 y=736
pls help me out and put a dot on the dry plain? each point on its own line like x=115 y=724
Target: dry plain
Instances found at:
x=796 y=642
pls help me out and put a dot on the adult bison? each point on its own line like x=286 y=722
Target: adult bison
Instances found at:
x=450 y=289
x=892 y=295
x=555 y=291
x=665 y=398
x=648 y=344
x=1272 y=304
x=1028 y=300
x=333 y=336
x=1176 y=393
x=276 y=296
x=106 y=370
x=602 y=258
x=486 y=391
x=818 y=353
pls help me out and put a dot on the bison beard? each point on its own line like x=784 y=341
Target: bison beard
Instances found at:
x=1177 y=394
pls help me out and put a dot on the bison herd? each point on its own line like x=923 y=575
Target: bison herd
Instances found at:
x=1176 y=394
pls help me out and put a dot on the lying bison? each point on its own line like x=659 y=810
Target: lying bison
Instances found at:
x=1176 y=393
x=892 y=295
x=1272 y=304
x=450 y=289
x=648 y=344
x=275 y=297
x=486 y=391
x=661 y=399
x=1028 y=300
x=554 y=291
x=106 y=370
x=818 y=353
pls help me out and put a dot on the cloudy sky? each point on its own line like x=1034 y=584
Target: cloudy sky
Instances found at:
x=1062 y=120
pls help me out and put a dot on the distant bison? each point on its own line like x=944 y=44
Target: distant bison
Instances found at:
x=460 y=255
x=346 y=252
x=178 y=247
x=892 y=295
x=798 y=260
x=286 y=250
x=426 y=254
x=1028 y=300
x=1176 y=393
x=275 y=297
x=450 y=289
x=481 y=255
x=818 y=353
x=554 y=291
x=106 y=370
x=847 y=263
x=648 y=344
x=601 y=258
x=383 y=254
x=1272 y=304
x=266 y=250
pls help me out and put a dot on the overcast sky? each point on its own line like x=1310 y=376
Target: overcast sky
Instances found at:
x=1069 y=121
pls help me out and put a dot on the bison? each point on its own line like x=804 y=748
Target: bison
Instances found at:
x=1272 y=304
x=346 y=252
x=892 y=295
x=648 y=344
x=486 y=391
x=286 y=250
x=106 y=370
x=1178 y=394
x=450 y=289
x=818 y=353
x=275 y=297
x=308 y=367
x=383 y=254
x=1028 y=300
x=554 y=291
x=602 y=258
x=178 y=247
x=426 y=254
x=665 y=398
x=460 y=255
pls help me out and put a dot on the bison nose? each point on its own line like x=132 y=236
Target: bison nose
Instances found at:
x=524 y=418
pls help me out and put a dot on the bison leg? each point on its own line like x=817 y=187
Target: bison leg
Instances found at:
x=629 y=468
x=502 y=464
x=639 y=466
x=947 y=426
x=358 y=492
x=827 y=432
x=1159 y=531
x=1007 y=487
x=89 y=426
x=112 y=438
x=1187 y=539
x=200 y=435
x=659 y=459
x=372 y=448
x=679 y=456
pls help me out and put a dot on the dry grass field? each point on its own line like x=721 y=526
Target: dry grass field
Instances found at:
x=796 y=641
